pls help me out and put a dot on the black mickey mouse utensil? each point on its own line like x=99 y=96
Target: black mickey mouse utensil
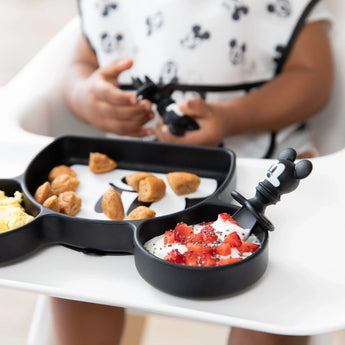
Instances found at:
x=282 y=177
x=160 y=95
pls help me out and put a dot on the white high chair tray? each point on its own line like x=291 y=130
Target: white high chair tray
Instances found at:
x=302 y=291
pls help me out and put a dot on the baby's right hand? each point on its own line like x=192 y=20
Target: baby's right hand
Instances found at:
x=103 y=105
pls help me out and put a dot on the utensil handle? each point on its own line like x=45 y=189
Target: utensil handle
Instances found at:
x=283 y=177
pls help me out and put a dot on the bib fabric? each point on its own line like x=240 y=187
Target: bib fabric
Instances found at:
x=214 y=49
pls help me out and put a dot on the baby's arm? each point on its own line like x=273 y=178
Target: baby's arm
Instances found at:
x=298 y=92
x=93 y=95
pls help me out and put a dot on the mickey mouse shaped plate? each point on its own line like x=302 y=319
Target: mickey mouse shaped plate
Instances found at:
x=91 y=232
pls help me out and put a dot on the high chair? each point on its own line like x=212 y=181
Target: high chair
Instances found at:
x=35 y=109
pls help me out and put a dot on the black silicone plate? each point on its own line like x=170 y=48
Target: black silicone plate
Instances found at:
x=107 y=237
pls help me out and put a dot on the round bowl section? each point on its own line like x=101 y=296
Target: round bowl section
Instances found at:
x=10 y=186
x=197 y=282
x=19 y=242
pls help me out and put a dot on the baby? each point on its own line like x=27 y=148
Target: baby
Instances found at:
x=250 y=73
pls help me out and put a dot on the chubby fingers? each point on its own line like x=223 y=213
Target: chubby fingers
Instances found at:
x=113 y=70
x=194 y=107
x=107 y=92
x=126 y=119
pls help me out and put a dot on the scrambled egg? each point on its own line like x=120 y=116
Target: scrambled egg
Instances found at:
x=12 y=214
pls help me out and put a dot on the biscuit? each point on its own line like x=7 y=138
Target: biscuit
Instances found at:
x=43 y=192
x=134 y=179
x=69 y=203
x=100 y=163
x=112 y=205
x=52 y=203
x=151 y=189
x=183 y=183
x=141 y=212
x=60 y=170
x=64 y=183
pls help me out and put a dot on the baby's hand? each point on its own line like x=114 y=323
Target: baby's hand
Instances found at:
x=108 y=108
x=210 y=119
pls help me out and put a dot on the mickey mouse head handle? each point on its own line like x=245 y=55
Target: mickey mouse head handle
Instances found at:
x=283 y=177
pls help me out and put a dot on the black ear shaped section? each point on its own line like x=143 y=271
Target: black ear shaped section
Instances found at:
x=303 y=169
x=288 y=154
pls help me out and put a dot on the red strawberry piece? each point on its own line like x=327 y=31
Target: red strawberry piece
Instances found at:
x=191 y=258
x=223 y=249
x=207 y=260
x=233 y=239
x=227 y=261
x=208 y=234
x=169 y=237
x=199 y=248
x=196 y=238
x=204 y=260
x=248 y=247
x=226 y=217
x=174 y=256
x=183 y=232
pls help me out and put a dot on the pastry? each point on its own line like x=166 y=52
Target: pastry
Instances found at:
x=112 y=205
x=134 y=179
x=69 y=203
x=100 y=163
x=141 y=212
x=64 y=183
x=43 y=192
x=60 y=170
x=183 y=182
x=151 y=189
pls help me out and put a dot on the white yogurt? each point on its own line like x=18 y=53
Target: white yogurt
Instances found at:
x=222 y=228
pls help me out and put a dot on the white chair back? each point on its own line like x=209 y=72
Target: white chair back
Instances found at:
x=328 y=127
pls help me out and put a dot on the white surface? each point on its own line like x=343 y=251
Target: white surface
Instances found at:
x=301 y=292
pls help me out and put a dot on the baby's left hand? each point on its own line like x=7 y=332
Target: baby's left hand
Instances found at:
x=213 y=124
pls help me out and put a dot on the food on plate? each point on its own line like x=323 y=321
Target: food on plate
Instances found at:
x=53 y=203
x=12 y=213
x=141 y=212
x=61 y=170
x=134 y=179
x=43 y=192
x=151 y=189
x=63 y=183
x=59 y=194
x=112 y=205
x=69 y=203
x=183 y=182
x=100 y=163
x=214 y=243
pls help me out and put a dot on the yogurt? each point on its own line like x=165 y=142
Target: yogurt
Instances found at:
x=222 y=228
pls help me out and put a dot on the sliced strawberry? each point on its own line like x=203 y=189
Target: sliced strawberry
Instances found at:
x=191 y=258
x=183 y=232
x=227 y=261
x=169 y=237
x=208 y=260
x=248 y=247
x=204 y=260
x=208 y=234
x=233 y=239
x=226 y=217
x=199 y=248
x=174 y=256
x=196 y=238
x=223 y=249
